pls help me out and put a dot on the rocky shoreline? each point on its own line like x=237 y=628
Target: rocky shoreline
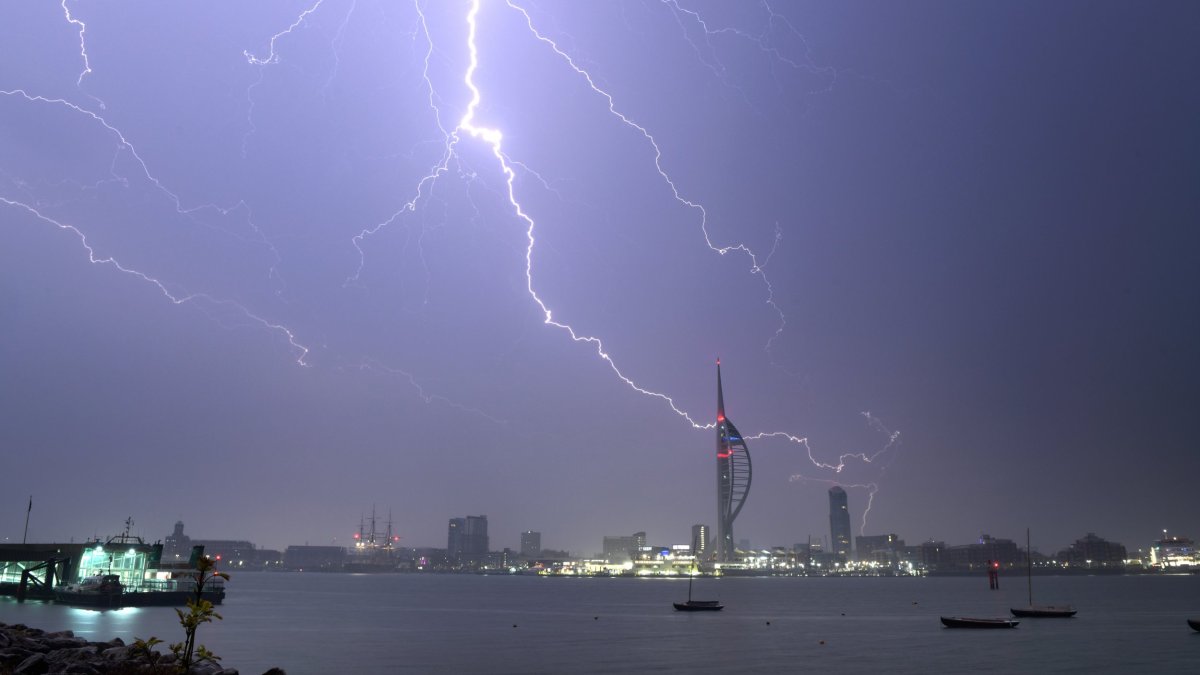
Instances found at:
x=32 y=651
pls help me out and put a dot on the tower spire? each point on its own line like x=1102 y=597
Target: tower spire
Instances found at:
x=720 y=395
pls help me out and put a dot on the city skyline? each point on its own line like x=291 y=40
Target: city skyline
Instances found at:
x=260 y=264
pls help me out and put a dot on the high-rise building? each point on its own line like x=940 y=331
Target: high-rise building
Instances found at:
x=531 y=544
x=700 y=544
x=733 y=476
x=839 y=523
x=467 y=537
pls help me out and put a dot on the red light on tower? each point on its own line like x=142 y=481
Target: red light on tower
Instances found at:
x=356 y=535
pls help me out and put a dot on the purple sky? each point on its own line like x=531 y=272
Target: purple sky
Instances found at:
x=978 y=222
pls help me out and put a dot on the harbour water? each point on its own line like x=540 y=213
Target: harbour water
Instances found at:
x=344 y=623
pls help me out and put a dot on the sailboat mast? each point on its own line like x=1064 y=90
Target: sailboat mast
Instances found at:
x=1029 y=566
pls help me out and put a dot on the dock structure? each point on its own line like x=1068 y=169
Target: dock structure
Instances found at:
x=32 y=570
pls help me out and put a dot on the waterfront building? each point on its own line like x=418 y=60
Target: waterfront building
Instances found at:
x=621 y=548
x=467 y=539
x=977 y=555
x=531 y=544
x=839 y=523
x=882 y=549
x=930 y=553
x=178 y=547
x=700 y=544
x=733 y=476
x=328 y=558
x=1092 y=551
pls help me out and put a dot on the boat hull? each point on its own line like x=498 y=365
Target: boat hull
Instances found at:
x=1194 y=623
x=969 y=622
x=134 y=599
x=1044 y=612
x=698 y=606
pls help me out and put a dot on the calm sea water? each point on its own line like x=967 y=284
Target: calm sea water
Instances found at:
x=336 y=623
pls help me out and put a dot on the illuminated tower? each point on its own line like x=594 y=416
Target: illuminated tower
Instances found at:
x=733 y=476
x=839 y=523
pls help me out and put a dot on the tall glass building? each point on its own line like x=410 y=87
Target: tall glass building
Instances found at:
x=839 y=523
x=733 y=476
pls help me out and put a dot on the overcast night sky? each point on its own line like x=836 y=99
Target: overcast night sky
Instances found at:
x=979 y=222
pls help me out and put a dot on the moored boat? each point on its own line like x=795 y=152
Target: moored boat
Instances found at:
x=699 y=606
x=101 y=590
x=1044 y=612
x=1039 y=611
x=972 y=622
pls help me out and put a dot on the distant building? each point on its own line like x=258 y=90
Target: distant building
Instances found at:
x=883 y=549
x=314 y=557
x=929 y=553
x=177 y=548
x=839 y=523
x=700 y=541
x=177 y=545
x=619 y=549
x=531 y=544
x=977 y=555
x=467 y=538
x=1093 y=551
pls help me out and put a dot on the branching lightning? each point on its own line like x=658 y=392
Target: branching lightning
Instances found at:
x=175 y=298
x=125 y=145
x=468 y=126
x=493 y=138
x=271 y=58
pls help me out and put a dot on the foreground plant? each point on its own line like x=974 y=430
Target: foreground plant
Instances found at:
x=199 y=611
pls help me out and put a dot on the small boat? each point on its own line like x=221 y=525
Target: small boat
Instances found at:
x=699 y=606
x=969 y=622
x=101 y=590
x=1044 y=611
x=1194 y=623
x=696 y=605
x=1039 y=611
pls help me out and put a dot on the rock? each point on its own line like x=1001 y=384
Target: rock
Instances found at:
x=116 y=654
x=80 y=669
x=275 y=671
x=11 y=657
x=61 y=633
x=71 y=655
x=53 y=643
x=34 y=665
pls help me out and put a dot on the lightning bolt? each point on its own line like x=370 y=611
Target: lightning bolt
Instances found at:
x=271 y=58
x=87 y=67
x=175 y=298
x=199 y=299
x=191 y=213
x=493 y=138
